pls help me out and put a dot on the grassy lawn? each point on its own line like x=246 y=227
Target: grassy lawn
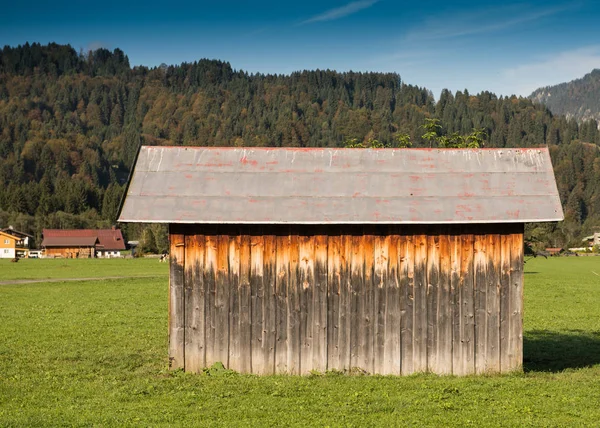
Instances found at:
x=95 y=353
x=79 y=268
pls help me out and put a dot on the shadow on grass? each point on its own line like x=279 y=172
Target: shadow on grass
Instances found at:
x=550 y=351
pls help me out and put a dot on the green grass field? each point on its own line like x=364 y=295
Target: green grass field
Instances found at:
x=79 y=268
x=95 y=353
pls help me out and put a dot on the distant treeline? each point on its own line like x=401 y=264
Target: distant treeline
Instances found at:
x=71 y=124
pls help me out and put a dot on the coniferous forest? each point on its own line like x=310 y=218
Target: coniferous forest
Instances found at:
x=71 y=124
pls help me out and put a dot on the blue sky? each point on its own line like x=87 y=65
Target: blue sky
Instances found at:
x=507 y=48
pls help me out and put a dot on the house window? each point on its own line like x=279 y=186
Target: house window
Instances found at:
x=5 y=251
x=7 y=241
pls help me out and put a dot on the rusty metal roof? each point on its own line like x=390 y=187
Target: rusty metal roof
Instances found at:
x=109 y=239
x=69 y=241
x=341 y=186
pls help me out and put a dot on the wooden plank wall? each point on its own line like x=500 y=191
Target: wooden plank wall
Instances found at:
x=382 y=299
x=69 y=252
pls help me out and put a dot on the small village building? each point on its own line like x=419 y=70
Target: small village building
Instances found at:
x=110 y=243
x=12 y=245
x=69 y=247
x=592 y=240
x=25 y=240
x=391 y=261
x=82 y=243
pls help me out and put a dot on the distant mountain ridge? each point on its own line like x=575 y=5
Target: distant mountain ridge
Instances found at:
x=578 y=99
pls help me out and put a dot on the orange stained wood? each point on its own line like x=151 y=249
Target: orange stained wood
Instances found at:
x=388 y=300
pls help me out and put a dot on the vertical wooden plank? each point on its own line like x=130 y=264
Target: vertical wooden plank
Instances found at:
x=222 y=300
x=406 y=277
x=194 y=303
x=392 y=355
x=366 y=305
x=281 y=303
x=307 y=285
x=505 y=247
x=210 y=283
x=177 y=298
x=235 y=354
x=269 y=304
x=515 y=341
x=458 y=344
x=357 y=289
x=467 y=298
x=445 y=306
x=320 y=305
x=345 y=318
x=420 y=305
x=333 y=301
x=480 y=295
x=433 y=305
x=201 y=302
x=190 y=351
x=493 y=304
x=380 y=286
x=245 y=303
x=257 y=296
x=293 y=310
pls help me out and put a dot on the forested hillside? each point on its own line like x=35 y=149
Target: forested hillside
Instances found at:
x=579 y=99
x=71 y=124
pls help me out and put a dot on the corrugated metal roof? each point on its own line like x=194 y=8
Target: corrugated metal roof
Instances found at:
x=109 y=239
x=341 y=186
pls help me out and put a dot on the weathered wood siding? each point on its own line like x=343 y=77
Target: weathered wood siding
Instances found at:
x=383 y=299
x=69 y=252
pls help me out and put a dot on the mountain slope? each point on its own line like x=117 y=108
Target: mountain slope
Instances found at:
x=578 y=99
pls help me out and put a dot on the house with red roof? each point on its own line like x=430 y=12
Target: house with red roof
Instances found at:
x=82 y=243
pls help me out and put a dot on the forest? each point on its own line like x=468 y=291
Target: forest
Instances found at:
x=71 y=124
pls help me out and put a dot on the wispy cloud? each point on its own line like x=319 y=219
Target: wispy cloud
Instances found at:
x=340 y=12
x=483 y=21
x=256 y=32
x=551 y=70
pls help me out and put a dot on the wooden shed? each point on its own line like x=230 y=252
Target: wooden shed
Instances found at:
x=391 y=261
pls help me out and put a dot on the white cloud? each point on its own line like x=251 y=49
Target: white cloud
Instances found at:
x=341 y=12
x=551 y=70
x=483 y=21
